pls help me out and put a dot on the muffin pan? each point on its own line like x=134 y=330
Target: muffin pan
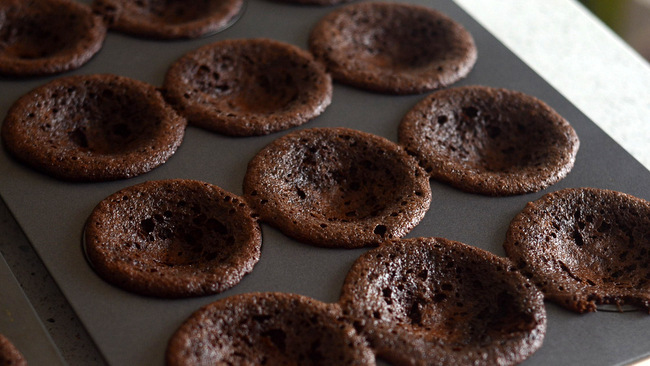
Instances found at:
x=132 y=329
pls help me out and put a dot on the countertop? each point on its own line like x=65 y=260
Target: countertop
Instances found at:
x=581 y=58
x=559 y=39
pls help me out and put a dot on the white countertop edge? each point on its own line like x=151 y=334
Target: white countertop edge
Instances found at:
x=581 y=58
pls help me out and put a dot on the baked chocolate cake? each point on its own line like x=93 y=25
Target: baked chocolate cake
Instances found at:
x=248 y=87
x=172 y=238
x=489 y=141
x=9 y=354
x=585 y=247
x=432 y=301
x=169 y=19
x=93 y=128
x=315 y=2
x=393 y=48
x=337 y=187
x=42 y=37
x=267 y=329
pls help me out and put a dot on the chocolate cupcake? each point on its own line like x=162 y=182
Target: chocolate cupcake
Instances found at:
x=42 y=37
x=172 y=238
x=393 y=48
x=93 y=128
x=585 y=247
x=169 y=19
x=437 y=302
x=489 y=141
x=248 y=87
x=9 y=354
x=267 y=328
x=337 y=187
x=315 y=2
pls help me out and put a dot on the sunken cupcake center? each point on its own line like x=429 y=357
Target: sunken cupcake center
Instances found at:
x=246 y=84
x=489 y=140
x=344 y=181
x=398 y=41
x=175 y=11
x=40 y=33
x=196 y=232
x=188 y=234
x=460 y=304
x=289 y=334
x=98 y=119
x=602 y=244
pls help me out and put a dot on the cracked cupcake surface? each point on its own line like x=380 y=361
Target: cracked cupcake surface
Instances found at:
x=432 y=301
x=393 y=48
x=490 y=141
x=337 y=187
x=93 y=128
x=172 y=238
x=169 y=19
x=267 y=329
x=43 y=37
x=585 y=247
x=248 y=87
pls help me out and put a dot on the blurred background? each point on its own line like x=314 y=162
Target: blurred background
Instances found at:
x=630 y=19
